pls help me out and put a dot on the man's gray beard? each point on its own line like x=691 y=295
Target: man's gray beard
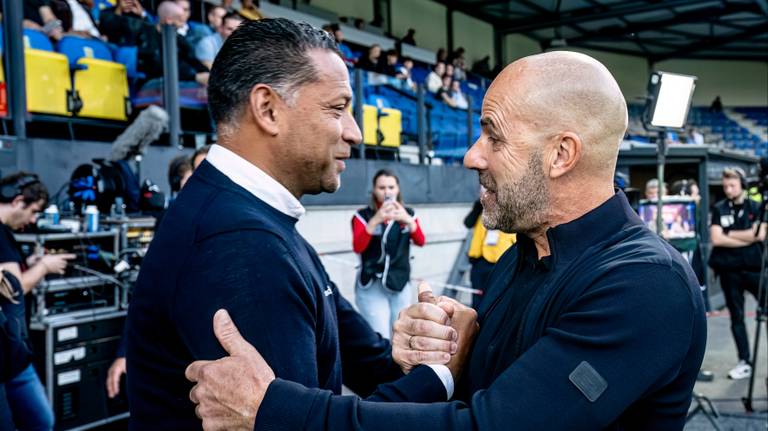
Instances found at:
x=522 y=206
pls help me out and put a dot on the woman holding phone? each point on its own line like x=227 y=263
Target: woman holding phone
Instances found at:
x=382 y=234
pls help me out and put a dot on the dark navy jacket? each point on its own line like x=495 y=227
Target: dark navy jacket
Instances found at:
x=612 y=339
x=221 y=247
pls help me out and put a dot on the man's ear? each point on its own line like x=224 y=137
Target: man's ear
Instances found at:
x=566 y=153
x=264 y=105
x=18 y=201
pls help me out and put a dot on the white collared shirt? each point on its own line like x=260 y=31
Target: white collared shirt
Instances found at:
x=248 y=176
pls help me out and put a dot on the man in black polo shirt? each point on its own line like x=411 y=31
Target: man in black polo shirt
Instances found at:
x=736 y=257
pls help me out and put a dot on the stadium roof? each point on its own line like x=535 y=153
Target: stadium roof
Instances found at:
x=655 y=29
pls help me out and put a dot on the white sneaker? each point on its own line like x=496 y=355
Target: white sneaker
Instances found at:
x=741 y=371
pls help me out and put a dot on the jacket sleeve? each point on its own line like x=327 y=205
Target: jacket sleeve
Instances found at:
x=360 y=236
x=368 y=368
x=634 y=341
x=254 y=277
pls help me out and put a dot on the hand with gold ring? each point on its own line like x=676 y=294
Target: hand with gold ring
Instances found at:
x=422 y=333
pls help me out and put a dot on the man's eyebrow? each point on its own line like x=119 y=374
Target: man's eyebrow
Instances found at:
x=487 y=122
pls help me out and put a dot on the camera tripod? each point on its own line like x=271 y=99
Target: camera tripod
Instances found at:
x=762 y=309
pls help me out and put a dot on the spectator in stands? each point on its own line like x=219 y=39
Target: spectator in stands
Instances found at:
x=215 y=17
x=150 y=48
x=383 y=232
x=482 y=67
x=435 y=78
x=209 y=46
x=652 y=189
x=404 y=73
x=82 y=23
x=346 y=51
x=694 y=136
x=192 y=34
x=441 y=56
x=39 y=15
x=371 y=60
x=459 y=100
x=123 y=23
x=408 y=38
x=24 y=195
x=389 y=64
x=445 y=93
x=359 y=24
x=717 y=105
x=250 y=10
x=449 y=69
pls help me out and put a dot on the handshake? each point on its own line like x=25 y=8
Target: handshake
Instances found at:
x=434 y=331
x=229 y=391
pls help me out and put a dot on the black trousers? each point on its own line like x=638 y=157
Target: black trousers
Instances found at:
x=734 y=284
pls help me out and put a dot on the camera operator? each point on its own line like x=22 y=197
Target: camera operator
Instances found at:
x=736 y=257
x=22 y=196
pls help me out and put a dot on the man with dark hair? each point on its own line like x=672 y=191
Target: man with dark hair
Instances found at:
x=279 y=93
x=22 y=196
x=736 y=257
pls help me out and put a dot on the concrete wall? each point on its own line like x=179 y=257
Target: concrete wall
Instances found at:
x=358 y=8
x=475 y=36
x=426 y=16
x=328 y=229
x=517 y=46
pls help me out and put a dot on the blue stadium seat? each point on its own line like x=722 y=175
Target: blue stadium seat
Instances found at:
x=36 y=39
x=129 y=57
x=76 y=48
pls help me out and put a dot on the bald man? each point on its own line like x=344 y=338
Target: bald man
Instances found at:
x=150 y=44
x=591 y=321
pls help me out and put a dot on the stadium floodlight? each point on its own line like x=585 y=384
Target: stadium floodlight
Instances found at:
x=669 y=99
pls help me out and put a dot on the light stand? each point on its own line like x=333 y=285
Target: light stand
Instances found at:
x=762 y=302
x=669 y=99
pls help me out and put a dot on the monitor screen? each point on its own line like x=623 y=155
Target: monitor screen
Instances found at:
x=678 y=216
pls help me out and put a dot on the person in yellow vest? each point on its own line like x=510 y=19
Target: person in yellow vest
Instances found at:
x=485 y=249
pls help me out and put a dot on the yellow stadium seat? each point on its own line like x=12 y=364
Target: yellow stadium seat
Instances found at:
x=103 y=88
x=390 y=123
x=48 y=82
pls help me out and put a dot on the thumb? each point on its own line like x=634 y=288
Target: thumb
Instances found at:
x=425 y=293
x=229 y=336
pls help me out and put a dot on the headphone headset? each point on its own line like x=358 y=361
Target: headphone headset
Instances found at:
x=10 y=190
x=742 y=176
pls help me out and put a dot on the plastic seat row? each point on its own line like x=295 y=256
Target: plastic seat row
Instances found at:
x=79 y=78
